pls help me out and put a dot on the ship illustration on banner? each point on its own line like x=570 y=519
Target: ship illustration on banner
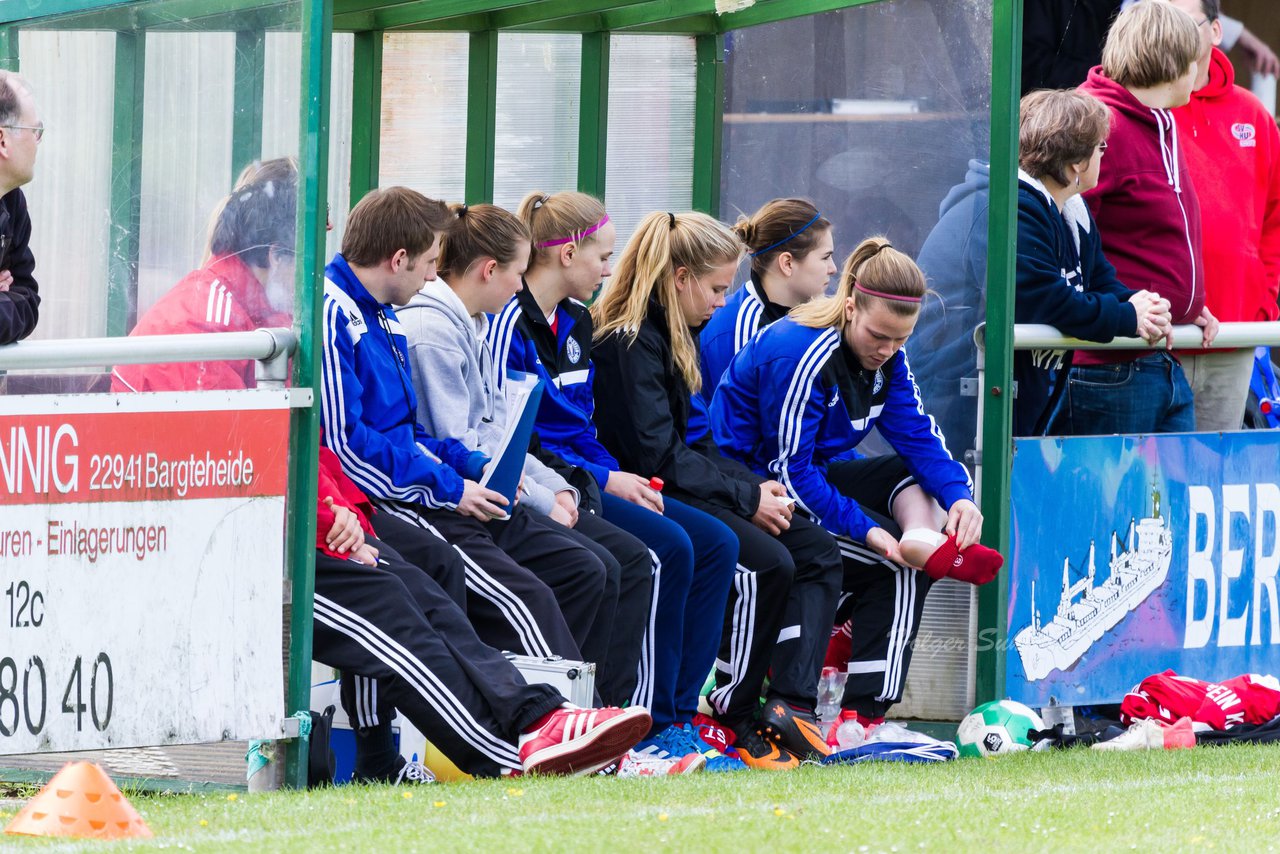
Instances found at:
x=1086 y=612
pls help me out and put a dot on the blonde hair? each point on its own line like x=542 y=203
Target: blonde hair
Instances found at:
x=876 y=266
x=558 y=216
x=1150 y=44
x=662 y=243
x=1057 y=128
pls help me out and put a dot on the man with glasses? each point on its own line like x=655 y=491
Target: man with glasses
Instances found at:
x=1232 y=148
x=20 y=133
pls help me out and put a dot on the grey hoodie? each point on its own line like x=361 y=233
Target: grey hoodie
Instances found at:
x=453 y=377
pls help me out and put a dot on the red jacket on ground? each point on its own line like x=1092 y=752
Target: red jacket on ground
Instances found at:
x=1233 y=151
x=222 y=296
x=1146 y=207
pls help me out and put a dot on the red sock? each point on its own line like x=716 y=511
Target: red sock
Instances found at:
x=941 y=563
x=840 y=646
x=977 y=565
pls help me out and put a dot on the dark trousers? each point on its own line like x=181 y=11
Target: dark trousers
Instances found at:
x=426 y=551
x=529 y=608
x=616 y=638
x=778 y=618
x=883 y=599
x=694 y=560
x=396 y=625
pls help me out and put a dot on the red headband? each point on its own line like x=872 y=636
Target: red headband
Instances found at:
x=857 y=286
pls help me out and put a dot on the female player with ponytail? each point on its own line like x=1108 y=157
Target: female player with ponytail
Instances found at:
x=799 y=398
x=545 y=330
x=672 y=276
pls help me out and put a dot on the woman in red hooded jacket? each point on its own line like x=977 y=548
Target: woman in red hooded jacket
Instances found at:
x=1148 y=218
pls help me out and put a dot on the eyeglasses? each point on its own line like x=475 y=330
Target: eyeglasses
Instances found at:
x=1203 y=21
x=1102 y=147
x=38 y=130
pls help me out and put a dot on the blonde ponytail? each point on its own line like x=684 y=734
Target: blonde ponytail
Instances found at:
x=662 y=243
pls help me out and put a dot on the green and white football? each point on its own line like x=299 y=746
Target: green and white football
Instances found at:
x=996 y=728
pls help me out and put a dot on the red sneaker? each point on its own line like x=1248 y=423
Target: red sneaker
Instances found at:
x=582 y=741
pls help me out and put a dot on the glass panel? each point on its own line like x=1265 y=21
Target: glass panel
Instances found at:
x=649 y=165
x=537 y=122
x=68 y=238
x=280 y=128
x=880 y=114
x=136 y=169
x=186 y=162
x=424 y=113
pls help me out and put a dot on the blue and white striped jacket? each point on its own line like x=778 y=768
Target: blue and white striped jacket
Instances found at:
x=728 y=331
x=794 y=400
x=368 y=408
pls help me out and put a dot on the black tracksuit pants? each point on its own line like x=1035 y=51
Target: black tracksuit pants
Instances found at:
x=778 y=620
x=883 y=599
x=394 y=624
x=531 y=588
x=617 y=637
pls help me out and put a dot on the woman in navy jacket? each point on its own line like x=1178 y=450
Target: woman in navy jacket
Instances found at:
x=793 y=404
x=1063 y=278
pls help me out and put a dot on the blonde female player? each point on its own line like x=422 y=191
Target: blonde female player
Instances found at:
x=802 y=395
x=672 y=276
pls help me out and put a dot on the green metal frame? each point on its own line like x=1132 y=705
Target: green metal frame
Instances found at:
x=482 y=115
x=304 y=438
x=996 y=397
x=246 y=115
x=126 y=181
x=366 y=112
x=596 y=20
x=593 y=114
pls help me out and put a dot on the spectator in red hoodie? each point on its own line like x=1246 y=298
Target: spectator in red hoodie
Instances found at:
x=1148 y=217
x=1233 y=152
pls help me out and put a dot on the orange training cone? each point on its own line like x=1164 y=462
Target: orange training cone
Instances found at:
x=80 y=800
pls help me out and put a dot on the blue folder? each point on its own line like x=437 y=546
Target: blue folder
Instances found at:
x=504 y=473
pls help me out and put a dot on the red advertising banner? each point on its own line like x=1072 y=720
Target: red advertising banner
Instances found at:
x=143 y=456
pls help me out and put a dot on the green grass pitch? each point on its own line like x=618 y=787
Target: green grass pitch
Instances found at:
x=1226 y=799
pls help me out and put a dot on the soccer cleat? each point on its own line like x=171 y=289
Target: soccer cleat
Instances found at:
x=637 y=764
x=582 y=741
x=794 y=730
x=402 y=773
x=760 y=753
x=672 y=744
x=414 y=772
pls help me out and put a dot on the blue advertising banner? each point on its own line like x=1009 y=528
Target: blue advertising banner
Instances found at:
x=1131 y=555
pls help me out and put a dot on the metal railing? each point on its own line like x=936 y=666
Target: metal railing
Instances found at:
x=270 y=348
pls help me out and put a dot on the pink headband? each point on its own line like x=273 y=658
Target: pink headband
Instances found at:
x=858 y=287
x=563 y=240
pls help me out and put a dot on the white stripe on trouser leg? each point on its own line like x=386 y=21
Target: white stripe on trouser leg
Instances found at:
x=740 y=637
x=900 y=668
x=894 y=628
x=645 y=676
x=788 y=633
x=413 y=670
x=484 y=585
x=419 y=676
x=877 y=666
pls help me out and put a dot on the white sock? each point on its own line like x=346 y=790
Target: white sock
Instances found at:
x=923 y=535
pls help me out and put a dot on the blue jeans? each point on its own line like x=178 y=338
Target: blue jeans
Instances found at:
x=697 y=556
x=1147 y=395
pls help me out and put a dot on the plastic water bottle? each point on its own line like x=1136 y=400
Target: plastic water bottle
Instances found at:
x=851 y=734
x=830 y=692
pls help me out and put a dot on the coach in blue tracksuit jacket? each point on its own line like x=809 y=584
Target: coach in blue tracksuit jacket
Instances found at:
x=793 y=404
x=530 y=588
